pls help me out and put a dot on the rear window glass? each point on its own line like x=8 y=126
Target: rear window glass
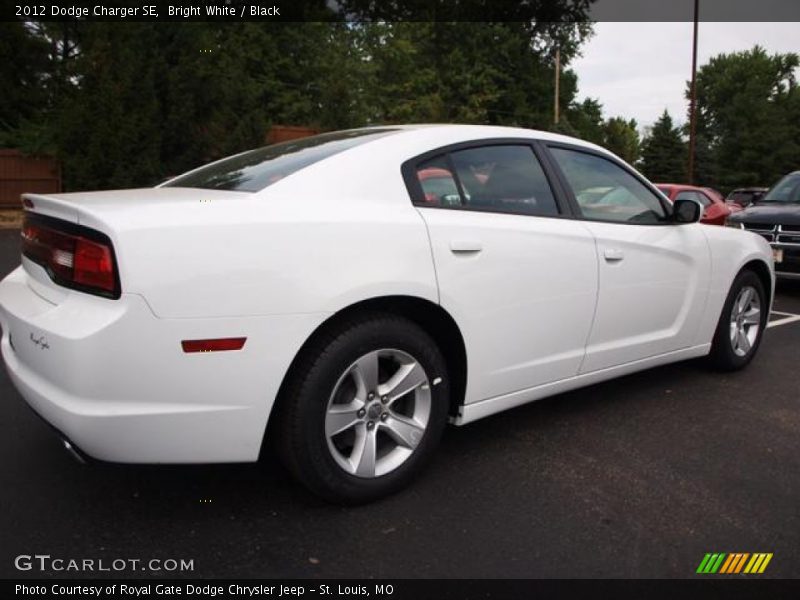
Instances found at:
x=254 y=170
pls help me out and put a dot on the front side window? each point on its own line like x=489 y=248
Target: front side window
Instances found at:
x=498 y=178
x=606 y=192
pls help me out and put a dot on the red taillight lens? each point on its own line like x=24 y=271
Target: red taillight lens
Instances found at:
x=73 y=256
x=93 y=265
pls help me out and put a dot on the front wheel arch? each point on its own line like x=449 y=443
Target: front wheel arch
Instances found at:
x=724 y=354
x=762 y=271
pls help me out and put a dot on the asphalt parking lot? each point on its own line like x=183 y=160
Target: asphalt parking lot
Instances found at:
x=638 y=477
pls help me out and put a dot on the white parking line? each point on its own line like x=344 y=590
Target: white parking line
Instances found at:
x=787 y=318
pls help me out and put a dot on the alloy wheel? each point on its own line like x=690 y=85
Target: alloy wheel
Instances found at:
x=378 y=412
x=745 y=320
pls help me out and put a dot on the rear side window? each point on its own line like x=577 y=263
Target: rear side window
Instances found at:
x=498 y=178
x=605 y=191
x=254 y=170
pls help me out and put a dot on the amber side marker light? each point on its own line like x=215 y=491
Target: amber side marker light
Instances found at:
x=216 y=345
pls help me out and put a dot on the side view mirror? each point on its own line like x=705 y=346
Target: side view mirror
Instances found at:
x=687 y=211
x=451 y=200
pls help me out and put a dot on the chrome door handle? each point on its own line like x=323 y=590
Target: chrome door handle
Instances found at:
x=465 y=247
x=613 y=255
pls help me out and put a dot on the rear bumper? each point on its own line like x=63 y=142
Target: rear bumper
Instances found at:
x=113 y=379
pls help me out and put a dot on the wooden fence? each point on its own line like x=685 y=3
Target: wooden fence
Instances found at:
x=20 y=174
x=284 y=133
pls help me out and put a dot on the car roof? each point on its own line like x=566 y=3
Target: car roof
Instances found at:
x=477 y=132
x=363 y=170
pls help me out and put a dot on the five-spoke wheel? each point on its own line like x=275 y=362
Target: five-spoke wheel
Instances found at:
x=741 y=324
x=364 y=409
x=378 y=412
x=745 y=320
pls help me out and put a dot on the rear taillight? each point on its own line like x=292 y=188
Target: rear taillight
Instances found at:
x=73 y=256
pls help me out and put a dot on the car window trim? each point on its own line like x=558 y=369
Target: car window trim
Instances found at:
x=570 y=195
x=409 y=172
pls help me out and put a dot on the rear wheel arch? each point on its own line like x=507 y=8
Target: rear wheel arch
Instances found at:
x=432 y=318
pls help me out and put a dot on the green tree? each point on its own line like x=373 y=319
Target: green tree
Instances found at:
x=24 y=66
x=586 y=120
x=496 y=73
x=127 y=104
x=107 y=132
x=748 y=112
x=621 y=137
x=664 y=152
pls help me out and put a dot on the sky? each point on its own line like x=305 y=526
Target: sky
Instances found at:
x=636 y=70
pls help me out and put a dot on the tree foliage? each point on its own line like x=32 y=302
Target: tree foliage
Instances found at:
x=129 y=104
x=664 y=152
x=748 y=118
x=585 y=120
x=622 y=138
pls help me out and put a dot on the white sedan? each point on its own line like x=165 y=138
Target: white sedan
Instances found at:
x=346 y=295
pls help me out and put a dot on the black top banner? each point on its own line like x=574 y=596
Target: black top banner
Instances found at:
x=403 y=10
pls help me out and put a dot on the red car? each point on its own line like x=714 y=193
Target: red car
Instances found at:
x=715 y=210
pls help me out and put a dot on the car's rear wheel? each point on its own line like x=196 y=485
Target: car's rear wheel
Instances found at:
x=742 y=323
x=364 y=409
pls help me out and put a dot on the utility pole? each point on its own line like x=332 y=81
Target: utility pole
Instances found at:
x=558 y=81
x=693 y=98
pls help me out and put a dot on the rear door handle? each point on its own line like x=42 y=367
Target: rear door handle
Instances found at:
x=613 y=255
x=465 y=246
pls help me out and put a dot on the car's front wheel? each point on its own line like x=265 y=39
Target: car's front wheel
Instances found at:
x=742 y=323
x=364 y=409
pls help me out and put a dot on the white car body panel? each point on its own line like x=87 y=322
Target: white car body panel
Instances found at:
x=132 y=395
x=520 y=330
x=274 y=265
x=653 y=289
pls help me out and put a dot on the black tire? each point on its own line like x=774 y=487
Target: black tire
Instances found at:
x=723 y=355
x=302 y=442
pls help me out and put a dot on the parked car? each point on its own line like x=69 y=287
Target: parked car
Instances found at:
x=715 y=211
x=335 y=297
x=439 y=187
x=776 y=217
x=744 y=197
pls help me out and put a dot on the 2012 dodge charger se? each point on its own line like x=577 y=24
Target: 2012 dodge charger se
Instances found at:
x=346 y=295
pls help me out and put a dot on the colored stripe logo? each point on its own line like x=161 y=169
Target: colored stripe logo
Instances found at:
x=735 y=562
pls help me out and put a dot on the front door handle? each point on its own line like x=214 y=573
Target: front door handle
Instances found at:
x=465 y=246
x=613 y=255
